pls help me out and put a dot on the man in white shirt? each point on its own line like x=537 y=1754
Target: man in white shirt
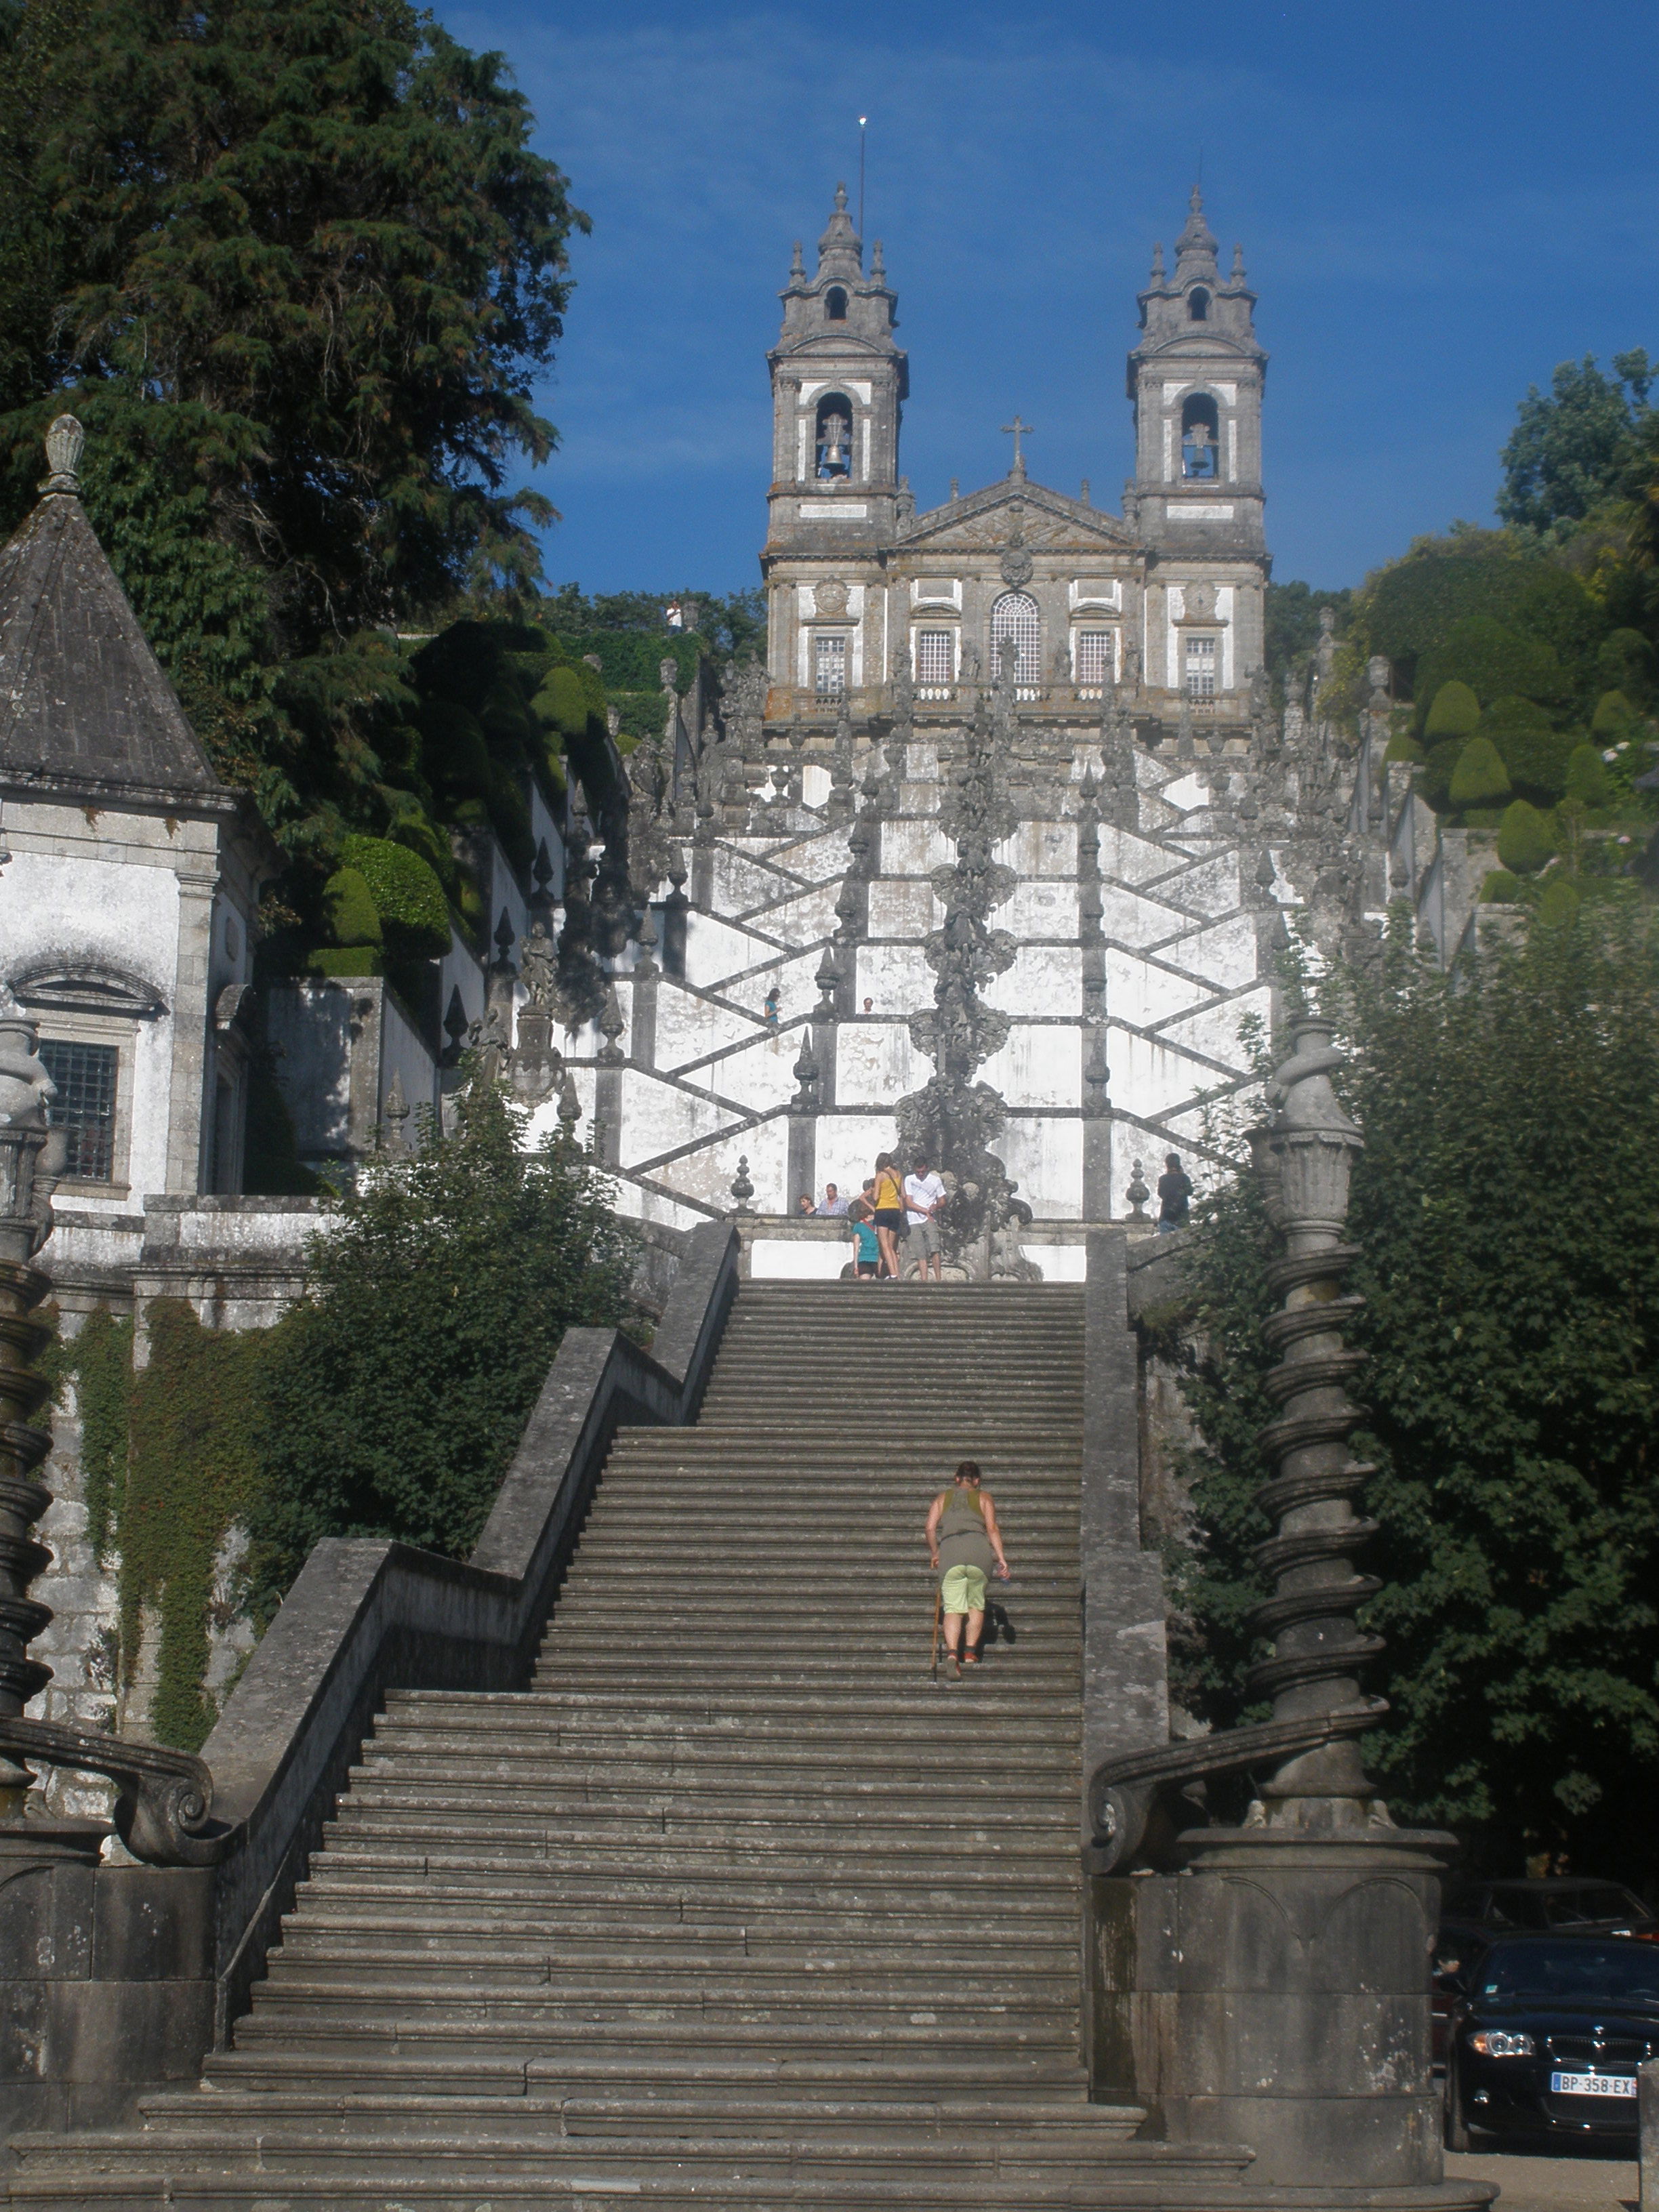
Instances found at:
x=924 y=1194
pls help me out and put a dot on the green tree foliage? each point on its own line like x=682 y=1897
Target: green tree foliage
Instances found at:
x=1479 y=777
x=399 y=1388
x=1534 y=751
x=1507 y=1208
x=296 y=265
x=1454 y=712
x=1524 y=844
x=1410 y=606
x=1569 y=449
x=1492 y=660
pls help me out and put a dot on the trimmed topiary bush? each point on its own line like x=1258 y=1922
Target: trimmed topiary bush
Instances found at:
x=1587 y=776
x=1534 y=752
x=1454 y=712
x=1612 y=718
x=1402 y=746
x=346 y=960
x=1438 y=770
x=353 y=917
x=1479 y=777
x=406 y=892
x=1523 y=839
x=1560 y=901
x=563 y=701
x=1501 y=888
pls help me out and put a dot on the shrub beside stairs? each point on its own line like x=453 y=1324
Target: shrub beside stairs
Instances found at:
x=731 y=1905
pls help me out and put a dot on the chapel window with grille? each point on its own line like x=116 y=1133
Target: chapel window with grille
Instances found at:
x=84 y=1108
x=828 y=665
x=1015 y=616
x=1200 y=670
x=936 y=659
x=1095 y=661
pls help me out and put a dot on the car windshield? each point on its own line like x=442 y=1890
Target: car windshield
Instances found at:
x=1601 y=1902
x=1583 y=1973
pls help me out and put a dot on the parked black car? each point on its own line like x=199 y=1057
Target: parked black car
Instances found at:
x=1562 y=1901
x=1548 y=2039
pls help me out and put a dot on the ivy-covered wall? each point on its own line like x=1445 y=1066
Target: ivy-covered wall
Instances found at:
x=168 y=1472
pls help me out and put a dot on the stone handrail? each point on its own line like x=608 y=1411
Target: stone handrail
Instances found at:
x=365 y=1616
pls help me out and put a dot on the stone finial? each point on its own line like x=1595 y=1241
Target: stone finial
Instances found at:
x=396 y=1113
x=65 y=440
x=1137 y=1194
x=611 y=1026
x=455 y=1028
x=645 y=965
x=742 y=1189
x=570 y=1112
x=1238 y=276
x=506 y=937
x=877 y=263
x=806 y=1072
x=797 y=264
x=1157 y=278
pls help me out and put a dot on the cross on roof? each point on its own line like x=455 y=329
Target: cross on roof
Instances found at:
x=1015 y=430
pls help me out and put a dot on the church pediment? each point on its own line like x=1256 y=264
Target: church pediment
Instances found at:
x=1020 y=512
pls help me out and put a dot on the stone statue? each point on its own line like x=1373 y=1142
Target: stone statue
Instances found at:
x=538 y=966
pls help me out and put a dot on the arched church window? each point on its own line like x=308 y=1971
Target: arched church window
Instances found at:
x=832 y=444
x=1198 y=304
x=835 y=304
x=1015 y=616
x=1200 y=438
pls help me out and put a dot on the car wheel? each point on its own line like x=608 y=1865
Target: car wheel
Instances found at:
x=1457 y=2128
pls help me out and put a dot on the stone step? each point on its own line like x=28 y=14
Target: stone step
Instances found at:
x=311 y=1943
x=543 y=2033
x=887 y=1714
x=647 y=1775
x=357 y=1895
x=323 y=1990
x=943 y=2110
x=850 y=2152
x=743 y=1889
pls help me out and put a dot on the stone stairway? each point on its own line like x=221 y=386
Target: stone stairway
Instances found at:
x=732 y=1905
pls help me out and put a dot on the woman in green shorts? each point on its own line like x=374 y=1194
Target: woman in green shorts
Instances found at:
x=965 y=1547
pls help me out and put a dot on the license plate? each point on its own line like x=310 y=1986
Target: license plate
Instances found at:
x=1593 y=2084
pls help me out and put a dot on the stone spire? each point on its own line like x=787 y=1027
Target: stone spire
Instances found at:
x=840 y=250
x=1195 y=248
x=85 y=708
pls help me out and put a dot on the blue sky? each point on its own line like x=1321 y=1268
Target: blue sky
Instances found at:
x=1437 y=203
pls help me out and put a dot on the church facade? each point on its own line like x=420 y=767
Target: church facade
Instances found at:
x=1164 y=600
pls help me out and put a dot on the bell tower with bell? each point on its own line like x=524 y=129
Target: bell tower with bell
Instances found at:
x=1196 y=380
x=838 y=385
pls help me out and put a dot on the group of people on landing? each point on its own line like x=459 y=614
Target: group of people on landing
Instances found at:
x=892 y=1209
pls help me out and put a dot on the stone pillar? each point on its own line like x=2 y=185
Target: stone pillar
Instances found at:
x=191 y=1072
x=1283 y=1982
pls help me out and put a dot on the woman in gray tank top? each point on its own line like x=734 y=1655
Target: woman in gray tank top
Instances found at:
x=965 y=1545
